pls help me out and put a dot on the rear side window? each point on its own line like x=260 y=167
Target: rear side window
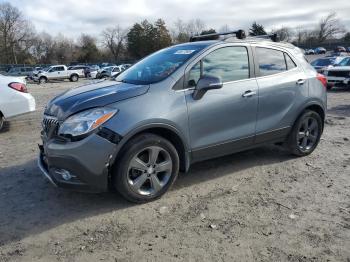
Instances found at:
x=270 y=61
x=229 y=63
x=290 y=63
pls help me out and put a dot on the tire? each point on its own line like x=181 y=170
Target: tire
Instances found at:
x=2 y=120
x=305 y=134
x=42 y=80
x=135 y=176
x=74 y=78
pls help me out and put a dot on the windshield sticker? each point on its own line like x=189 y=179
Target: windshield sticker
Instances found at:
x=184 y=52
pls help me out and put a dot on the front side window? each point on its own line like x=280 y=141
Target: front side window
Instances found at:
x=270 y=61
x=228 y=63
x=160 y=65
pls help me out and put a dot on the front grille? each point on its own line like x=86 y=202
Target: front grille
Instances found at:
x=339 y=73
x=50 y=125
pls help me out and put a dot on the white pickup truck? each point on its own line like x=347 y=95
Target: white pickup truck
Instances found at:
x=57 y=72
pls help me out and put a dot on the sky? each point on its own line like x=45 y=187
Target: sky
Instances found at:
x=73 y=17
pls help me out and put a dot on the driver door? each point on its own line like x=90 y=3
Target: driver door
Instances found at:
x=223 y=120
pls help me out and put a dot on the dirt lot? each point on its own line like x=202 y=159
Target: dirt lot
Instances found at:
x=259 y=205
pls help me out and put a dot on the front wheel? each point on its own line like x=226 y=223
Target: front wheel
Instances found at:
x=42 y=80
x=305 y=134
x=148 y=167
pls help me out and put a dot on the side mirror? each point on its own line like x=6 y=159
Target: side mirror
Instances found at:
x=206 y=83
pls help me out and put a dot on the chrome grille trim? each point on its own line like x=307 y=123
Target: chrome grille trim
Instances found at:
x=50 y=125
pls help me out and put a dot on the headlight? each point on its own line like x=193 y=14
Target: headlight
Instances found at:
x=86 y=121
x=325 y=73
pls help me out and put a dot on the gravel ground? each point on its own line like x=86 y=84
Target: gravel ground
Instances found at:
x=258 y=205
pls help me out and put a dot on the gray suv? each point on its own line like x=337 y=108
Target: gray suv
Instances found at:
x=180 y=105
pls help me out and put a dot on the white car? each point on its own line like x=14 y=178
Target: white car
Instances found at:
x=14 y=98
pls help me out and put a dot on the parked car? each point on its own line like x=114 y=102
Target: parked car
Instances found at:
x=339 y=74
x=320 y=50
x=340 y=49
x=20 y=71
x=322 y=64
x=57 y=72
x=14 y=98
x=181 y=105
x=309 y=52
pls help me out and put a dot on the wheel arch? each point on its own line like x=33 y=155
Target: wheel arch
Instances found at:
x=166 y=131
x=316 y=107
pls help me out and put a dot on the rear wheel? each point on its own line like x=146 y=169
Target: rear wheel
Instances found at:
x=148 y=167
x=305 y=134
x=74 y=78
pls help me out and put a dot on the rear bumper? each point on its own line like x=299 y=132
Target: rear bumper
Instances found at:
x=86 y=162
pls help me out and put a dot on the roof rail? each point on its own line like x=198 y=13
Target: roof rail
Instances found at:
x=240 y=34
x=272 y=37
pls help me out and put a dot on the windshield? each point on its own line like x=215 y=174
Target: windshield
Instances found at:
x=344 y=62
x=323 y=62
x=160 y=65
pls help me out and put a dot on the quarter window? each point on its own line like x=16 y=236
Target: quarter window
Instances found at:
x=270 y=61
x=290 y=62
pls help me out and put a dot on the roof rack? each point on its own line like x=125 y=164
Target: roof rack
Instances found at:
x=272 y=37
x=240 y=34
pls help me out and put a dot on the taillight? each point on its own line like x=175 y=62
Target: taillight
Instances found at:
x=322 y=79
x=19 y=87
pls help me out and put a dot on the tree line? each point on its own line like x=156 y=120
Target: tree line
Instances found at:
x=20 y=43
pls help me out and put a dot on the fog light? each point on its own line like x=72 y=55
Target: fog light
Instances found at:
x=66 y=175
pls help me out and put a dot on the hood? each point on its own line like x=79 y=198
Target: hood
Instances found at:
x=340 y=68
x=97 y=94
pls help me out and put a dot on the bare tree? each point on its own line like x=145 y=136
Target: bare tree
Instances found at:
x=113 y=39
x=329 y=27
x=14 y=32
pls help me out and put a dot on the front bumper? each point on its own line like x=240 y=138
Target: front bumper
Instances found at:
x=338 y=80
x=87 y=162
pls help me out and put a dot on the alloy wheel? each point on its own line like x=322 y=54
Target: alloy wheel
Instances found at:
x=149 y=170
x=308 y=134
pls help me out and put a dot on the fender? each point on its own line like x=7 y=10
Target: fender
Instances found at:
x=142 y=127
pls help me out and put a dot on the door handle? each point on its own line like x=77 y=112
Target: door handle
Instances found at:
x=249 y=93
x=301 y=82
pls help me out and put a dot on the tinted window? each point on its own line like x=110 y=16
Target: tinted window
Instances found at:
x=229 y=63
x=270 y=61
x=60 y=68
x=290 y=62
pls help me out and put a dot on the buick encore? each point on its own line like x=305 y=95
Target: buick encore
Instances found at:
x=183 y=104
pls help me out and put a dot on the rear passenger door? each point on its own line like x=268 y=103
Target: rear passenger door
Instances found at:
x=223 y=120
x=282 y=84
